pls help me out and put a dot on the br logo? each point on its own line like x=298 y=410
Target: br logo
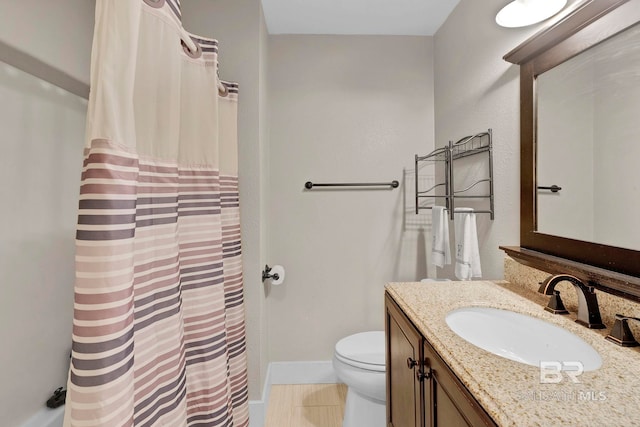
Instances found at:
x=552 y=372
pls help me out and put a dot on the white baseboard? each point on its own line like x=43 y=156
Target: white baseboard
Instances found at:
x=316 y=372
x=257 y=412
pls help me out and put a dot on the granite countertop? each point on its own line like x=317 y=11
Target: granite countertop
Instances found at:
x=512 y=392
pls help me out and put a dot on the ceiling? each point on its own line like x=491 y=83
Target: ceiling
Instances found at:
x=364 y=17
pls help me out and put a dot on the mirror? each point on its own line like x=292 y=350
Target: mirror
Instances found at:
x=583 y=138
x=588 y=144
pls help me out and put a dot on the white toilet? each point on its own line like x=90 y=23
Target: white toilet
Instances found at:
x=359 y=362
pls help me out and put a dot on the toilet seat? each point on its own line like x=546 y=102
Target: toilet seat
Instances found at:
x=365 y=350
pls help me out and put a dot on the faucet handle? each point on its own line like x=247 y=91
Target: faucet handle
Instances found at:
x=555 y=305
x=620 y=333
x=543 y=285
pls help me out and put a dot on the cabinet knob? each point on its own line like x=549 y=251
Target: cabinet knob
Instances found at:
x=411 y=363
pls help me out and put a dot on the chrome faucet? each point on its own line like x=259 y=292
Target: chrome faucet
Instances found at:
x=588 y=311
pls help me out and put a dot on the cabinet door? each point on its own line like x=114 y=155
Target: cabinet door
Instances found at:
x=450 y=403
x=404 y=403
x=428 y=392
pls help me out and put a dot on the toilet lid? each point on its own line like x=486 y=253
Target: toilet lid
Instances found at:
x=364 y=348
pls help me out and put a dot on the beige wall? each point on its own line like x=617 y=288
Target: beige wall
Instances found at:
x=350 y=109
x=239 y=27
x=42 y=140
x=56 y=32
x=263 y=126
x=476 y=89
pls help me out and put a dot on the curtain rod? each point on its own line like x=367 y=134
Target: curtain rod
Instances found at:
x=34 y=66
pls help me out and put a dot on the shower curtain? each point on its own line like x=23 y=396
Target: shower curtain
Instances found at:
x=158 y=329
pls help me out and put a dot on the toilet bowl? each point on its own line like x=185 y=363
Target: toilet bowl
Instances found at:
x=359 y=362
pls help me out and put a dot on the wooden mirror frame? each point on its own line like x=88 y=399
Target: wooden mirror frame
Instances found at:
x=609 y=268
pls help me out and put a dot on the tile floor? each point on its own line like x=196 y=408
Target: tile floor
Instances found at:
x=306 y=405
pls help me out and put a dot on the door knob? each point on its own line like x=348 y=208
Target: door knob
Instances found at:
x=411 y=363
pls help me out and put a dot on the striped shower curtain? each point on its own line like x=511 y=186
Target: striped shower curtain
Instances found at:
x=158 y=329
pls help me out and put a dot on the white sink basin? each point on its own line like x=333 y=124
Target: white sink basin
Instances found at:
x=522 y=338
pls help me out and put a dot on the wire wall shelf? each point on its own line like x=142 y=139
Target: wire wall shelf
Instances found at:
x=472 y=145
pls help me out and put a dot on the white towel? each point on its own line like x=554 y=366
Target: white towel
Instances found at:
x=440 y=251
x=467 y=252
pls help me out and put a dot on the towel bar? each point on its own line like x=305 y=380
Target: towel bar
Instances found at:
x=393 y=184
x=554 y=188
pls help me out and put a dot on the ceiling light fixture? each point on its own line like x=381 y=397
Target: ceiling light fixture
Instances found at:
x=520 y=13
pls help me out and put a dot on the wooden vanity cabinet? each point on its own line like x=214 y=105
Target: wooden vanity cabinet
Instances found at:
x=404 y=350
x=422 y=391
